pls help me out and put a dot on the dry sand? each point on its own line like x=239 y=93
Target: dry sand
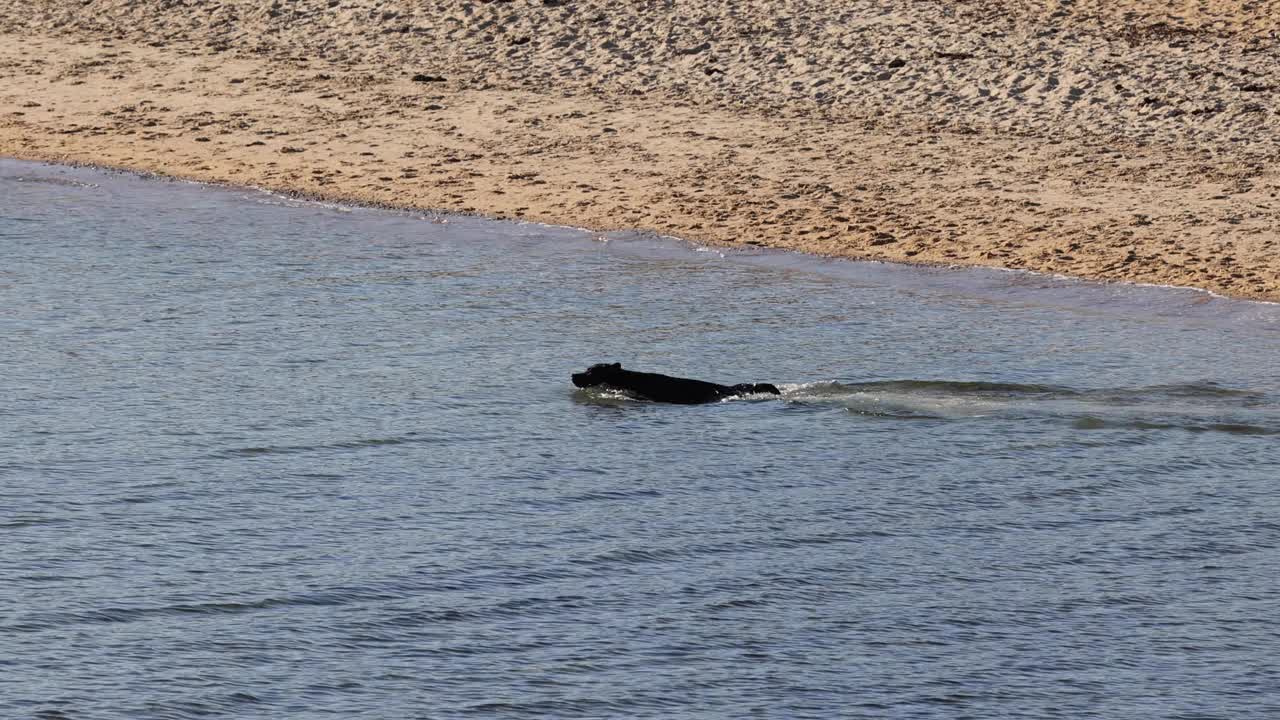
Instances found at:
x=1110 y=140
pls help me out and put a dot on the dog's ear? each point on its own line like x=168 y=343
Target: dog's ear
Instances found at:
x=616 y=366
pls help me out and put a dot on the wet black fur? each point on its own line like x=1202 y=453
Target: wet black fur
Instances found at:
x=664 y=388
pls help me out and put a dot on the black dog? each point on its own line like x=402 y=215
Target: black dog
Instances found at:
x=664 y=388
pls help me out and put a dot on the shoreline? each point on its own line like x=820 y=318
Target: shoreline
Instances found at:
x=1177 y=200
x=331 y=201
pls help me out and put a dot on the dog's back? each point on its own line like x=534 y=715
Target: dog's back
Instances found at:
x=665 y=388
x=668 y=389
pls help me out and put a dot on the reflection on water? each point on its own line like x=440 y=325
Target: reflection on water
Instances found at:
x=270 y=458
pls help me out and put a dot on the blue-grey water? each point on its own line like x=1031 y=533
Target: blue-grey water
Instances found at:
x=262 y=458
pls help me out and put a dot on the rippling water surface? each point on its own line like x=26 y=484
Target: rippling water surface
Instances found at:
x=266 y=459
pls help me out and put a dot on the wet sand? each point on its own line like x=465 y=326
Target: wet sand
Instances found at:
x=1100 y=140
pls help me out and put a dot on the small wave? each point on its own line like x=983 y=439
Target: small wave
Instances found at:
x=1090 y=422
x=409 y=438
x=507 y=609
x=902 y=414
x=1180 y=391
x=23 y=522
x=216 y=704
x=608 y=495
x=643 y=556
x=378 y=278
x=291 y=200
x=64 y=182
x=737 y=603
x=572 y=707
x=36 y=622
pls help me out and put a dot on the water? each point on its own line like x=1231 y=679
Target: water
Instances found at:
x=262 y=458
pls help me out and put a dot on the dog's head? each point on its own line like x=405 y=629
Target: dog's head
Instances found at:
x=599 y=374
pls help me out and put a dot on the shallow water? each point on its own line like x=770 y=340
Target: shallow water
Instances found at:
x=262 y=458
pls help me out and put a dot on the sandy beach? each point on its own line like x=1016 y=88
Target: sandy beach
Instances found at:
x=1108 y=140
